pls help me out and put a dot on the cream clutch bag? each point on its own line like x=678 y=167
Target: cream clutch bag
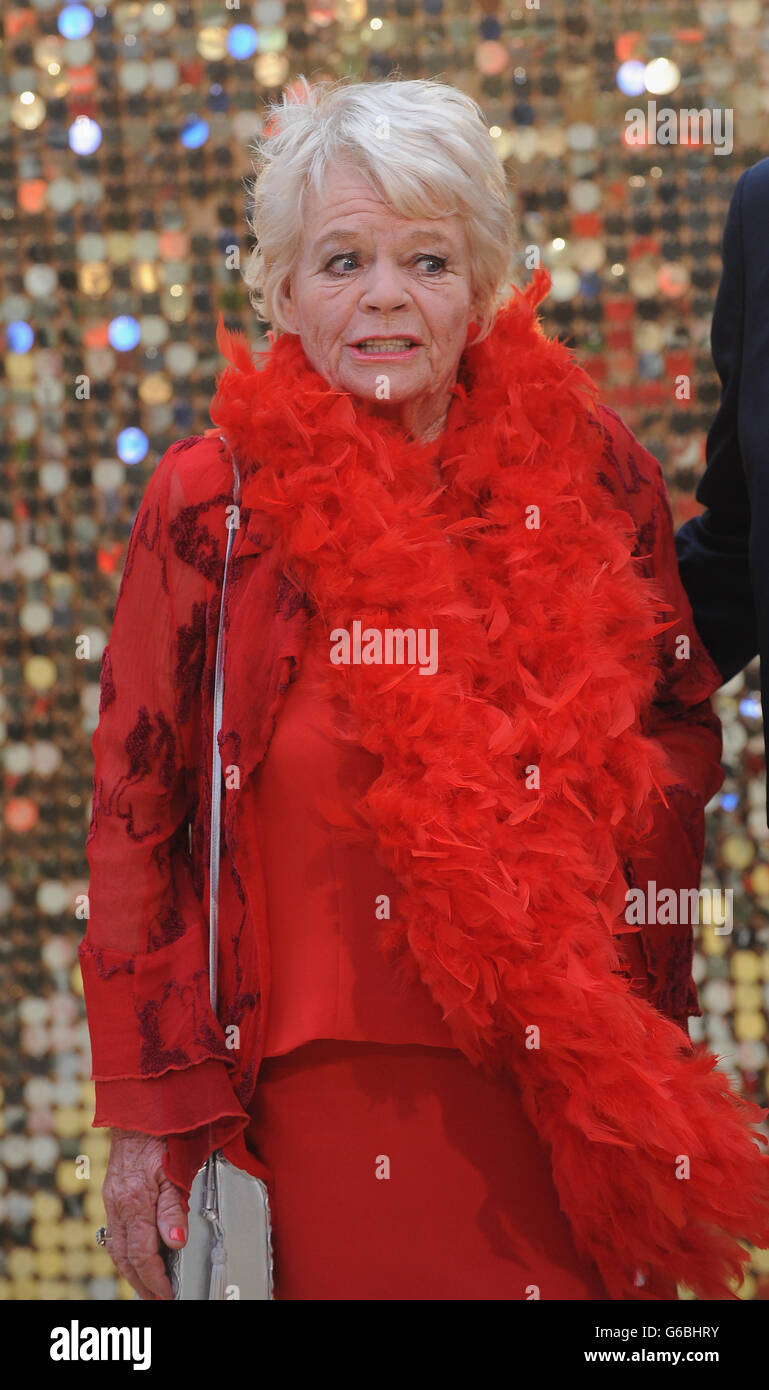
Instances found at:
x=229 y=1246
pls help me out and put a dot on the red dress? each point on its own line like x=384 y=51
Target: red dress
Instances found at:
x=399 y=1170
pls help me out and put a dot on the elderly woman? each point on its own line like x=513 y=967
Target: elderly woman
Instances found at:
x=466 y=730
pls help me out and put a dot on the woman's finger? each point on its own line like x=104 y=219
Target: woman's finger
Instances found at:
x=117 y=1248
x=145 y=1259
x=171 y=1216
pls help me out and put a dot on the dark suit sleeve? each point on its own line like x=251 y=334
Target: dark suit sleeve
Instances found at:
x=681 y=718
x=713 y=548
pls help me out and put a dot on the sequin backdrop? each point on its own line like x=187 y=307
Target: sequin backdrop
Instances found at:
x=124 y=155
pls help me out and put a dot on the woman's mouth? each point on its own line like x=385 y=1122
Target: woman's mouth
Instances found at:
x=385 y=347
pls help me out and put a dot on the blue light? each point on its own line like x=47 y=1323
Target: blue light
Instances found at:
x=124 y=333
x=523 y=113
x=590 y=285
x=195 y=132
x=20 y=336
x=242 y=41
x=750 y=709
x=490 y=27
x=631 y=78
x=651 y=366
x=75 y=21
x=132 y=445
x=730 y=801
x=84 y=135
x=218 y=100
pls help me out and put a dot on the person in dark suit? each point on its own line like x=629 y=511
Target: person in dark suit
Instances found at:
x=723 y=554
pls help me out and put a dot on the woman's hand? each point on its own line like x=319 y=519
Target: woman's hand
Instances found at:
x=141 y=1203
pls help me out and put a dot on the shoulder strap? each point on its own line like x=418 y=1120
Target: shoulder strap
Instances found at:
x=216 y=763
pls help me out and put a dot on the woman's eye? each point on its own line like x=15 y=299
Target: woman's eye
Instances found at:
x=343 y=256
x=438 y=261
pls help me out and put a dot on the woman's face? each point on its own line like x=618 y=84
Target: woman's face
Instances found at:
x=365 y=273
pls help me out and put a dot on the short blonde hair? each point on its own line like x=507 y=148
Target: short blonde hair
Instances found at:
x=425 y=148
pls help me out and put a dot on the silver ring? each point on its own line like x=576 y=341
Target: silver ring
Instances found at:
x=101 y=1236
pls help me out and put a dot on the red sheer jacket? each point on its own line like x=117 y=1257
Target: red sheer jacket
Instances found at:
x=163 y=1063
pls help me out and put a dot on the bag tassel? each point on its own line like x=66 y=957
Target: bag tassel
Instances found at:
x=217 y=1288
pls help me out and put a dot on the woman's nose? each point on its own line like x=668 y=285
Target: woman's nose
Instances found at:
x=384 y=289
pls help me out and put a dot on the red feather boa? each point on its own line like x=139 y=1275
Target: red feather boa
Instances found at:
x=545 y=657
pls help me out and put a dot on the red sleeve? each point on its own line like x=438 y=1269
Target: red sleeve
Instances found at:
x=682 y=718
x=157 y=1047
